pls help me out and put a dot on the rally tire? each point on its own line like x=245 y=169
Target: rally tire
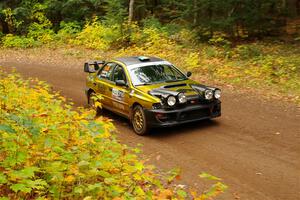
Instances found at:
x=138 y=121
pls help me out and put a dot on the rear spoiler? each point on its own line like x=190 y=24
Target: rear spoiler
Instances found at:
x=93 y=66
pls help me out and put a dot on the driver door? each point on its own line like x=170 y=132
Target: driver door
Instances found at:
x=103 y=83
x=120 y=94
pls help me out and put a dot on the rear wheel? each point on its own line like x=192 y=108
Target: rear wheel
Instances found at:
x=139 y=120
x=92 y=100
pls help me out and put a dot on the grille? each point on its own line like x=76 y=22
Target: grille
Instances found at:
x=194 y=114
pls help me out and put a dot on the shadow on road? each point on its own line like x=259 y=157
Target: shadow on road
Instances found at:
x=183 y=128
x=163 y=131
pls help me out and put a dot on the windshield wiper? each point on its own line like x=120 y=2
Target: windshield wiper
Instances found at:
x=143 y=84
x=174 y=80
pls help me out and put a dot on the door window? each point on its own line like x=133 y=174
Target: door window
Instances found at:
x=106 y=71
x=119 y=74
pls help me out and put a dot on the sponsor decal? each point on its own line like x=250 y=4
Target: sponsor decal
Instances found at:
x=117 y=94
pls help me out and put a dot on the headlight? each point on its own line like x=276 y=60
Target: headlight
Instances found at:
x=217 y=94
x=181 y=98
x=171 y=100
x=209 y=94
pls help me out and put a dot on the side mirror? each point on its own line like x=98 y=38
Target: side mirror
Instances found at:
x=93 y=66
x=120 y=83
x=86 y=67
x=188 y=74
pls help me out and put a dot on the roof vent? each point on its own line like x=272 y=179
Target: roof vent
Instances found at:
x=143 y=58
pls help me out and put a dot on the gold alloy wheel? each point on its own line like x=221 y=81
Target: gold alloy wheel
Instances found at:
x=138 y=120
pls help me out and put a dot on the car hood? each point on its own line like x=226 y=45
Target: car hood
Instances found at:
x=188 y=87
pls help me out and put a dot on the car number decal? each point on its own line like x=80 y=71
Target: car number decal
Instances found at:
x=117 y=94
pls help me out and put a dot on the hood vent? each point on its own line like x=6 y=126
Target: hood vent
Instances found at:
x=175 y=85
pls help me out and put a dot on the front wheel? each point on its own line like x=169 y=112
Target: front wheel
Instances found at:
x=139 y=121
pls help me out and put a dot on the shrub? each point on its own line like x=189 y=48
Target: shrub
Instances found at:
x=68 y=30
x=247 y=51
x=96 y=35
x=151 y=22
x=219 y=39
x=48 y=150
x=40 y=33
x=192 y=60
x=153 y=41
x=185 y=37
x=10 y=40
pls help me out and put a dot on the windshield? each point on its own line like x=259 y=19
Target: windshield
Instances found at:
x=152 y=74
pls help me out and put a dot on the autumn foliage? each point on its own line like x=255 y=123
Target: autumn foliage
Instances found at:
x=50 y=151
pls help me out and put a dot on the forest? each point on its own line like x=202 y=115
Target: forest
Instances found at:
x=252 y=43
x=235 y=18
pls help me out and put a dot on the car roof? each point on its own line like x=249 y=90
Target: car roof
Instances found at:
x=133 y=60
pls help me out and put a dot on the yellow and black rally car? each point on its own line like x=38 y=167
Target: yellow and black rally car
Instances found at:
x=150 y=91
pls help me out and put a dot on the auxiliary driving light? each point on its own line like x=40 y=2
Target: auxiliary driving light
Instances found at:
x=181 y=98
x=209 y=94
x=171 y=100
x=217 y=94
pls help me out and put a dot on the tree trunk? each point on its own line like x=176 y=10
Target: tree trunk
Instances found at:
x=195 y=13
x=4 y=26
x=130 y=17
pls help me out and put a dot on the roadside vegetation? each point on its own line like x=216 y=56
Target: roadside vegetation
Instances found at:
x=50 y=151
x=225 y=55
x=271 y=66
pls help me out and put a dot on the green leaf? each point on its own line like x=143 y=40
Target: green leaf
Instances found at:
x=21 y=157
x=7 y=128
x=25 y=173
x=109 y=181
x=41 y=198
x=94 y=186
x=216 y=189
x=78 y=190
x=83 y=164
x=209 y=177
x=103 y=174
x=36 y=184
x=28 y=172
x=139 y=166
x=20 y=187
x=139 y=191
x=181 y=193
x=2 y=178
x=173 y=174
x=55 y=191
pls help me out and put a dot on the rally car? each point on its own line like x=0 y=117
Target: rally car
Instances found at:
x=150 y=92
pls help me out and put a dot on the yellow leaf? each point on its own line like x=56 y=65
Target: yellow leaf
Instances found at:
x=70 y=179
x=165 y=194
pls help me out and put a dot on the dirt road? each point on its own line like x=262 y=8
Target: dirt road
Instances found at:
x=254 y=147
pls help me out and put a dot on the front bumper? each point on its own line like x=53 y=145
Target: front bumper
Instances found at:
x=165 y=118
